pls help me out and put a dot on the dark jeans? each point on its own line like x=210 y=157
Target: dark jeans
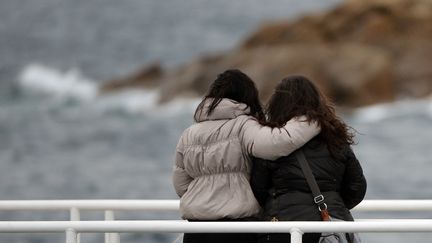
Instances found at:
x=286 y=238
x=220 y=237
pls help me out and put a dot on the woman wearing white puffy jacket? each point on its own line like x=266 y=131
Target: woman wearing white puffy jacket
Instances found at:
x=213 y=156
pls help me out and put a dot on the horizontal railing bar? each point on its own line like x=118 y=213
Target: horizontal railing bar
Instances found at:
x=173 y=205
x=394 y=205
x=55 y=205
x=178 y=226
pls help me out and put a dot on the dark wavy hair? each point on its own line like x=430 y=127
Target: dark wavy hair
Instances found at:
x=298 y=96
x=235 y=85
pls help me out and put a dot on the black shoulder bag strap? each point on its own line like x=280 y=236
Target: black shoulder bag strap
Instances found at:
x=317 y=195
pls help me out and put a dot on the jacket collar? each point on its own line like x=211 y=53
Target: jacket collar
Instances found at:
x=226 y=109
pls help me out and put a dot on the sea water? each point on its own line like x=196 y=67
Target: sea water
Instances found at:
x=61 y=139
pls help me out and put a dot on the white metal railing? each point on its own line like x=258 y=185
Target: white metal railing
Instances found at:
x=173 y=205
x=111 y=228
x=76 y=206
x=121 y=205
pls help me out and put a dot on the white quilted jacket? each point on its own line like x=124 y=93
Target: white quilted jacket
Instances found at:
x=213 y=160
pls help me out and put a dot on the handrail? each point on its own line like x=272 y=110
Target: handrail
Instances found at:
x=394 y=205
x=182 y=226
x=296 y=228
x=111 y=227
x=98 y=204
x=173 y=205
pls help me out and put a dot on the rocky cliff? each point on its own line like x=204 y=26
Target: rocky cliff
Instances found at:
x=360 y=53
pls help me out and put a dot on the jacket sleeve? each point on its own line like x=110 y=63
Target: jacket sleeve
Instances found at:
x=272 y=143
x=354 y=183
x=260 y=180
x=181 y=178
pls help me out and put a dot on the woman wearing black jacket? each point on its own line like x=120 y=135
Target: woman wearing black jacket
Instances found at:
x=280 y=186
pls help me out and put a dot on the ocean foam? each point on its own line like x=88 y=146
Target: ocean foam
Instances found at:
x=374 y=113
x=430 y=106
x=128 y=101
x=403 y=108
x=44 y=80
x=141 y=101
x=40 y=79
x=180 y=105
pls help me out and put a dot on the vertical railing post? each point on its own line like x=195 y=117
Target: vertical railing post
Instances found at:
x=71 y=236
x=75 y=216
x=296 y=235
x=111 y=237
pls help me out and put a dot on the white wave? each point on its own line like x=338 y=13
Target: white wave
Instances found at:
x=372 y=113
x=140 y=101
x=129 y=101
x=40 y=79
x=380 y=112
x=430 y=107
x=179 y=105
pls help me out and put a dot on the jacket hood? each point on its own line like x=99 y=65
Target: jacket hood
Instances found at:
x=226 y=109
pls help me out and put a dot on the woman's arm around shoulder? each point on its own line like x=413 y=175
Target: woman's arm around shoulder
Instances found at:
x=272 y=143
x=354 y=182
x=181 y=179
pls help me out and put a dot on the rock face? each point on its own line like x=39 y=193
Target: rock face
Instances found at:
x=360 y=53
x=145 y=78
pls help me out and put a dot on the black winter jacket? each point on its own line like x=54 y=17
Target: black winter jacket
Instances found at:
x=281 y=188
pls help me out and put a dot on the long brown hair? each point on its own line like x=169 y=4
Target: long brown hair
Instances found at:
x=235 y=85
x=298 y=96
